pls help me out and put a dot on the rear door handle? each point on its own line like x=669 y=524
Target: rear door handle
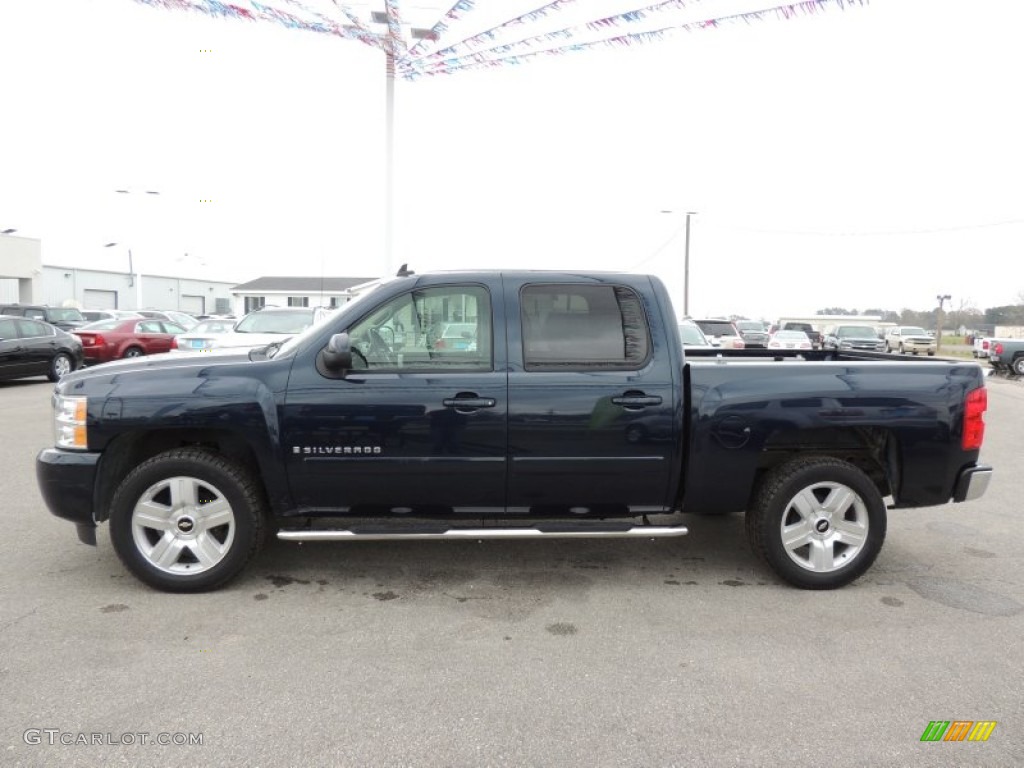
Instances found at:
x=636 y=401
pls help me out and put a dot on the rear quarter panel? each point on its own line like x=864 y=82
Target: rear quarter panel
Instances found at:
x=738 y=407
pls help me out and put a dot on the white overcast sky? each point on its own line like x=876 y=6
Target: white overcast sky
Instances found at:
x=868 y=157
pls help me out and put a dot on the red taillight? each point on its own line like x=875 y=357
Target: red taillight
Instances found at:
x=984 y=344
x=440 y=344
x=174 y=342
x=975 y=405
x=997 y=348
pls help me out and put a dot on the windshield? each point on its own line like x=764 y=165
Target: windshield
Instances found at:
x=284 y=321
x=296 y=341
x=692 y=335
x=749 y=325
x=856 y=332
x=213 y=326
x=103 y=325
x=913 y=331
x=716 y=329
x=66 y=315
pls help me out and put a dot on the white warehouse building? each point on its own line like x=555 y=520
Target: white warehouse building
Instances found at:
x=25 y=279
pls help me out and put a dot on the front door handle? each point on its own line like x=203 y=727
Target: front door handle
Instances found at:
x=470 y=403
x=636 y=400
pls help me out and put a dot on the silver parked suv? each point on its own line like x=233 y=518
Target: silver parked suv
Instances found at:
x=909 y=339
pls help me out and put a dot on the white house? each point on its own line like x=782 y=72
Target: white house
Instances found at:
x=296 y=292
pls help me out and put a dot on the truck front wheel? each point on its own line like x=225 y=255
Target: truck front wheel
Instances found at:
x=187 y=520
x=818 y=522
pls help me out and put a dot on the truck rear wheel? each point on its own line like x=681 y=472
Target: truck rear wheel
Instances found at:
x=818 y=522
x=187 y=520
x=1018 y=365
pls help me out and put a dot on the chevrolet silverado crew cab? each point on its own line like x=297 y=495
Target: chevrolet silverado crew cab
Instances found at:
x=567 y=408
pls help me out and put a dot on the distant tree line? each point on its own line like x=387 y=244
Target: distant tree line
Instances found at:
x=961 y=314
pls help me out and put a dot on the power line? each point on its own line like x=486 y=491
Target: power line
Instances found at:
x=876 y=233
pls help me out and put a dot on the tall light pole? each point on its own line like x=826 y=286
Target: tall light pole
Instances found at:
x=135 y=276
x=391 y=42
x=942 y=299
x=686 y=263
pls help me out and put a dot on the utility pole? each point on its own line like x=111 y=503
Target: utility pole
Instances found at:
x=686 y=267
x=686 y=262
x=942 y=299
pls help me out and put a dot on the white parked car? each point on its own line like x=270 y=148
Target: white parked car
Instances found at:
x=266 y=326
x=790 y=340
x=203 y=336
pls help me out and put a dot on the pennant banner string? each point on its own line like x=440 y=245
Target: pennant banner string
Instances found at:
x=480 y=61
x=565 y=33
x=489 y=34
x=455 y=13
x=367 y=36
x=411 y=64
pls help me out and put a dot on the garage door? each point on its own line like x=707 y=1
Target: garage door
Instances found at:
x=95 y=299
x=196 y=305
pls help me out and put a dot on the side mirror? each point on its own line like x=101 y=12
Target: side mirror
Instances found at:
x=337 y=355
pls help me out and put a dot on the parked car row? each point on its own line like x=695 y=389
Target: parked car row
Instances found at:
x=34 y=347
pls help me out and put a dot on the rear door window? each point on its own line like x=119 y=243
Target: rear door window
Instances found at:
x=583 y=327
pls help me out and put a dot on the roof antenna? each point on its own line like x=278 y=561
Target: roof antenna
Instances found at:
x=404 y=271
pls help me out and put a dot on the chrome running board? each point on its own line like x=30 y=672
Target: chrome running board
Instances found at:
x=573 y=532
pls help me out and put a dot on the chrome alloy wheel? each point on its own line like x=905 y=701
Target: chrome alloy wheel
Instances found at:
x=824 y=527
x=183 y=525
x=61 y=366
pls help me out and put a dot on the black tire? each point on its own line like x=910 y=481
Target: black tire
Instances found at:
x=902 y=351
x=133 y=352
x=60 y=365
x=201 y=554
x=1018 y=365
x=844 y=545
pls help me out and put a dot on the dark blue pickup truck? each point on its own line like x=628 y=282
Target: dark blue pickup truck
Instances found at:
x=506 y=405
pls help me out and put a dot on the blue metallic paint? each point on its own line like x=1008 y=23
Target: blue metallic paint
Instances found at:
x=556 y=442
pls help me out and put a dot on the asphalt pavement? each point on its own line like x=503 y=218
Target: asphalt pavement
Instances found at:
x=504 y=653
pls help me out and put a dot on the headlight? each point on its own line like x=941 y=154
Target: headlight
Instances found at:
x=69 y=421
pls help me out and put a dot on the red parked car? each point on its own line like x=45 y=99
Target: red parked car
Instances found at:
x=113 y=339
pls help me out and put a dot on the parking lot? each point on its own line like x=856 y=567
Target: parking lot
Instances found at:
x=566 y=652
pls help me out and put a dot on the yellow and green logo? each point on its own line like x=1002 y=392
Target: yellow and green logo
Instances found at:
x=958 y=730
